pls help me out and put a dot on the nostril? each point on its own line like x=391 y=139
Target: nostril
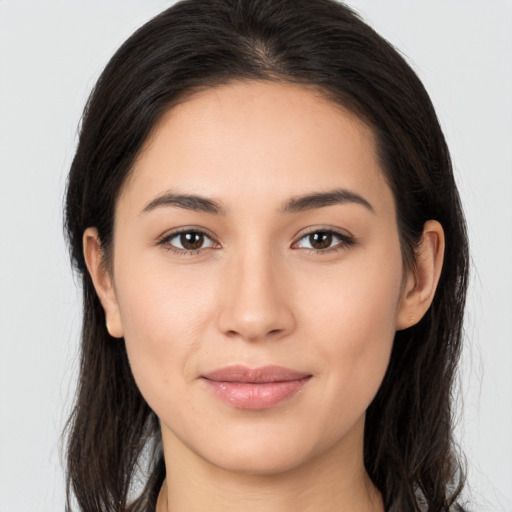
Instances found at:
x=255 y=313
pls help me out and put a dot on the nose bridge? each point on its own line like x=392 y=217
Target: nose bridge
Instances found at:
x=255 y=304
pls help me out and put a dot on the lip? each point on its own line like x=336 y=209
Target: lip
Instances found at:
x=255 y=388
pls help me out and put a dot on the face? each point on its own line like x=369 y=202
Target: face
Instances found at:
x=257 y=276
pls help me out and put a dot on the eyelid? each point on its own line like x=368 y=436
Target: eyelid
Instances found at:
x=346 y=238
x=164 y=239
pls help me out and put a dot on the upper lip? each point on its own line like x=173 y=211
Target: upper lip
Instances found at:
x=239 y=373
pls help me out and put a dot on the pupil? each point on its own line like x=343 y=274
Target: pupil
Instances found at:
x=192 y=241
x=320 y=240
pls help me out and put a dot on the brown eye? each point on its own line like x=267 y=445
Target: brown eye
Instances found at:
x=324 y=241
x=320 y=240
x=188 y=241
x=192 y=241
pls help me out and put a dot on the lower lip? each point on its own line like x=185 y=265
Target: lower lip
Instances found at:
x=256 y=396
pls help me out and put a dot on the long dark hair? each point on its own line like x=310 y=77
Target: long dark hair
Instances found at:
x=114 y=457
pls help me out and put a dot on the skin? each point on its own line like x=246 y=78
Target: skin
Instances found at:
x=256 y=293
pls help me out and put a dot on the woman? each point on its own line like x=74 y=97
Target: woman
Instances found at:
x=274 y=266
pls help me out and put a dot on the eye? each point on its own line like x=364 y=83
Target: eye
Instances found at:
x=187 y=241
x=324 y=240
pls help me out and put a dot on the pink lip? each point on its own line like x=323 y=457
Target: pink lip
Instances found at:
x=258 y=388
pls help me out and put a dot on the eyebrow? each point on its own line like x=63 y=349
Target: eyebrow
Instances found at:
x=295 y=204
x=322 y=199
x=187 y=202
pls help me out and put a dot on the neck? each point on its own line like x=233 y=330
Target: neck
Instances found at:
x=333 y=482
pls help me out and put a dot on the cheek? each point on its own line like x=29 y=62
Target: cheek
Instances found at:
x=164 y=318
x=352 y=316
x=360 y=297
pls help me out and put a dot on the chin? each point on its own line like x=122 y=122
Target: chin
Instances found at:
x=260 y=451
x=259 y=462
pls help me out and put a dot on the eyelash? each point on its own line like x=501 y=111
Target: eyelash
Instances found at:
x=165 y=241
x=344 y=241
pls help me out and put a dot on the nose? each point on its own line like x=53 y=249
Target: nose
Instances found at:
x=256 y=298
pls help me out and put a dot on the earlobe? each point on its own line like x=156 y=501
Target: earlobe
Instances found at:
x=102 y=281
x=421 y=282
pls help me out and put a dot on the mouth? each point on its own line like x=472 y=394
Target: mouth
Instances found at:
x=257 y=388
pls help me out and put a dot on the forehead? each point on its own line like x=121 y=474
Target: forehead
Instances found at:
x=257 y=138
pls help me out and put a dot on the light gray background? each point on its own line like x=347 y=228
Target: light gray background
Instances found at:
x=52 y=51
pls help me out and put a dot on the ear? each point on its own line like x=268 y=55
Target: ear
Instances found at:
x=421 y=282
x=102 y=281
